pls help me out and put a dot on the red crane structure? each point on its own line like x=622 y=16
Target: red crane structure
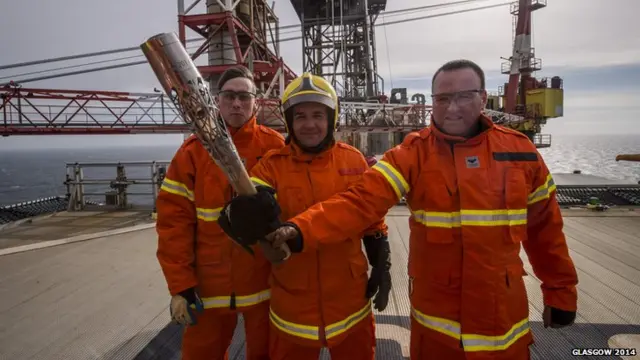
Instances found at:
x=247 y=32
x=533 y=100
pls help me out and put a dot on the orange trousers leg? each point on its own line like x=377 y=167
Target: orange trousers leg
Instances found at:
x=211 y=337
x=360 y=344
x=256 y=328
x=424 y=347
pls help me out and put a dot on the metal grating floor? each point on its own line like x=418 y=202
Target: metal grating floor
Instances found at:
x=106 y=298
x=610 y=195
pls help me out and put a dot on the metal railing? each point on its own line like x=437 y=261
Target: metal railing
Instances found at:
x=542 y=140
x=117 y=190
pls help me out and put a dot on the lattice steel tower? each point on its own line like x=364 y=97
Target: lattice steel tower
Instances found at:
x=338 y=42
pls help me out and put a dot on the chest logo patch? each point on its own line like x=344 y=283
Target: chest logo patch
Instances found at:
x=472 y=162
x=350 y=171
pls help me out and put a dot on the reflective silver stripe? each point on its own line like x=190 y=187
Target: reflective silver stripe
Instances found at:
x=303 y=331
x=437 y=219
x=501 y=217
x=259 y=182
x=312 y=332
x=176 y=188
x=441 y=325
x=241 y=301
x=340 y=327
x=208 y=214
x=393 y=176
x=248 y=300
x=472 y=342
x=494 y=343
x=543 y=191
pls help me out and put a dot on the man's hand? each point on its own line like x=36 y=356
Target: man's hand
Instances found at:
x=379 y=284
x=275 y=255
x=556 y=318
x=287 y=235
x=248 y=218
x=180 y=307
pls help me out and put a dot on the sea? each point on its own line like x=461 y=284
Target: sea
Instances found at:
x=27 y=175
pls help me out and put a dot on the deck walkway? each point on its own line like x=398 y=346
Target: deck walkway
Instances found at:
x=106 y=298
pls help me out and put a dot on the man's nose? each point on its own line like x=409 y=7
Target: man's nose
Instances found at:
x=236 y=102
x=453 y=105
x=306 y=124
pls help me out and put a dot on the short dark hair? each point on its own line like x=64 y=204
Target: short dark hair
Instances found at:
x=234 y=73
x=457 y=65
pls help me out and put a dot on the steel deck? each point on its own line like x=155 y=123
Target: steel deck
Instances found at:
x=106 y=298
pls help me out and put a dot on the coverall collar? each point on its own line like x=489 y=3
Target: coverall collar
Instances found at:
x=486 y=124
x=298 y=154
x=244 y=134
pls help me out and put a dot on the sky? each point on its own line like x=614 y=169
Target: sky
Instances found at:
x=597 y=55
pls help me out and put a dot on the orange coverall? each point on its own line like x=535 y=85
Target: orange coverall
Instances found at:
x=194 y=251
x=318 y=297
x=473 y=203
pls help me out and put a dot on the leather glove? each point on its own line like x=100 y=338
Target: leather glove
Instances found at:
x=249 y=218
x=182 y=307
x=556 y=318
x=379 y=255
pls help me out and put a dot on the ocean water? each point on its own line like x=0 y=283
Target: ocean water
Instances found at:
x=31 y=174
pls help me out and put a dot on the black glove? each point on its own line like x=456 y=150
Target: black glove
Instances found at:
x=562 y=317
x=379 y=255
x=249 y=218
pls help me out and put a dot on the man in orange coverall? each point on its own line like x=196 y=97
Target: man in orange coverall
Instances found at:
x=202 y=266
x=320 y=298
x=477 y=192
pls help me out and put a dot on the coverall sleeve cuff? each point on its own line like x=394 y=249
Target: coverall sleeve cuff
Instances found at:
x=561 y=298
x=178 y=288
x=308 y=242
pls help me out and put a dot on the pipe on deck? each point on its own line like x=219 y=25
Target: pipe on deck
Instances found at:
x=628 y=157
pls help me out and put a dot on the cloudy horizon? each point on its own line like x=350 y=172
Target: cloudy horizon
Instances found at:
x=597 y=56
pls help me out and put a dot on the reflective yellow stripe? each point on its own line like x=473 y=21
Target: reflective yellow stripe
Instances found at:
x=257 y=181
x=393 y=176
x=437 y=219
x=303 y=331
x=208 y=214
x=177 y=188
x=340 y=327
x=240 y=301
x=441 y=325
x=312 y=332
x=471 y=218
x=543 y=191
x=473 y=342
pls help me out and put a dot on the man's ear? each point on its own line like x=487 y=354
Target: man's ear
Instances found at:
x=484 y=97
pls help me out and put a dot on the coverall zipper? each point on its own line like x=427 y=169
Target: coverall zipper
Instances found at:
x=453 y=155
x=321 y=334
x=232 y=300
